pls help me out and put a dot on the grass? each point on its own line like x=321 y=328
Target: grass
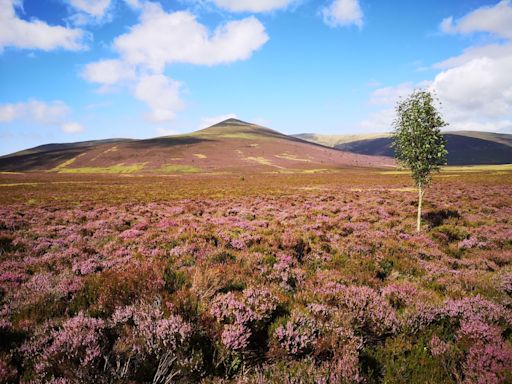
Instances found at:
x=172 y=168
x=288 y=156
x=64 y=164
x=115 y=169
x=465 y=168
x=260 y=160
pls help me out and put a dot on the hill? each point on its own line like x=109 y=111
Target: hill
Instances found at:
x=229 y=146
x=464 y=147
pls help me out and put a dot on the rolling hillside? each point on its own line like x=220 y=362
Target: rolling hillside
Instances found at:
x=229 y=146
x=464 y=147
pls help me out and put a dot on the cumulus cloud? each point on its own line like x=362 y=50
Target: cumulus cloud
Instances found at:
x=378 y=121
x=162 y=94
x=212 y=120
x=163 y=38
x=252 y=5
x=343 y=13
x=165 y=131
x=492 y=51
x=475 y=87
x=95 y=8
x=35 y=34
x=476 y=95
x=54 y=113
x=34 y=111
x=481 y=87
x=495 y=19
x=72 y=128
x=108 y=72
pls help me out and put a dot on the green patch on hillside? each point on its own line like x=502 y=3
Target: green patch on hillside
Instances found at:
x=65 y=164
x=118 y=168
x=466 y=168
x=173 y=168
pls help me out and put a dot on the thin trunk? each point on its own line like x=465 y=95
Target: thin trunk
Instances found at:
x=420 y=201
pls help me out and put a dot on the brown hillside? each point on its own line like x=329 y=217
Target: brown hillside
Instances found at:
x=230 y=146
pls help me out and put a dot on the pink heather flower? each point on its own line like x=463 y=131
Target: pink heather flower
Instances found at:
x=400 y=294
x=261 y=301
x=368 y=310
x=130 y=234
x=506 y=283
x=476 y=330
x=86 y=267
x=227 y=308
x=236 y=336
x=12 y=277
x=471 y=242
x=298 y=335
x=7 y=372
x=147 y=331
x=437 y=346
x=487 y=364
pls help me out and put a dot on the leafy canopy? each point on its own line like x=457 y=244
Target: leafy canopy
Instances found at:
x=417 y=139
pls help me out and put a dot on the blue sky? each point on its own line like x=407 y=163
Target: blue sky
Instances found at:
x=73 y=70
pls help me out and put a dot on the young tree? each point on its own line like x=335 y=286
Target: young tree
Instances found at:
x=417 y=140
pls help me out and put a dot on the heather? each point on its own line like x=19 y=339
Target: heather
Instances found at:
x=262 y=279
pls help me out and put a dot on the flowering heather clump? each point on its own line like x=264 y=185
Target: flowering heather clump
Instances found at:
x=298 y=335
x=437 y=346
x=236 y=336
x=241 y=314
x=310 y=278
x=78 y=344
x=144 y=331
x=261 y=301
x=368 y=310
x=229 y=309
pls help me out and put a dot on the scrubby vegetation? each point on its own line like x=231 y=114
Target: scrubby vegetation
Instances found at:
x=260 y=279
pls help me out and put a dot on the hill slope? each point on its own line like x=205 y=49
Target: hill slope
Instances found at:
x=464 y=147
x=232 y=145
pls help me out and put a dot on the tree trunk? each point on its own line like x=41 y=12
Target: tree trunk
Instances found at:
x=420 y=201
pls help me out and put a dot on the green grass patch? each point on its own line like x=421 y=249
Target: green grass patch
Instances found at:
x=173 y=168
x=118 y=169
x=464 y=168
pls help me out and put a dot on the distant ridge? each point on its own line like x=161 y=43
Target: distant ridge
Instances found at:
x=229 y=146
x=464 y=147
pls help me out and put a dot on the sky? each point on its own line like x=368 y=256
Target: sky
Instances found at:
x=74 y=70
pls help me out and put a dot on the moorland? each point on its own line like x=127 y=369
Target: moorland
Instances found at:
x=247 y=277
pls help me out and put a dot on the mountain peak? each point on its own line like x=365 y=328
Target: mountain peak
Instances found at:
x=232 y=121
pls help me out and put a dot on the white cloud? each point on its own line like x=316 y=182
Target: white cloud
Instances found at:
x=135 y=4
x=72 y=128
x=475 y=87
x=343 y=13
x=493 y=51
x=379 y=121
x=163 y=38
x=495 y=19
x=390 y=95
x=108 y=72
x=165 y=131
x=95 y=8
x=34 y=111
x=252 y=5
x=160 y=39
x=35 y=34
x=476 y=95
x=480 y=88
x=162 y=94
x=212 y=120
x=41 y=113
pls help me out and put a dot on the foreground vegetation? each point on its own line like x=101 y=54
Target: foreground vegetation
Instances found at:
x=310 y=278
